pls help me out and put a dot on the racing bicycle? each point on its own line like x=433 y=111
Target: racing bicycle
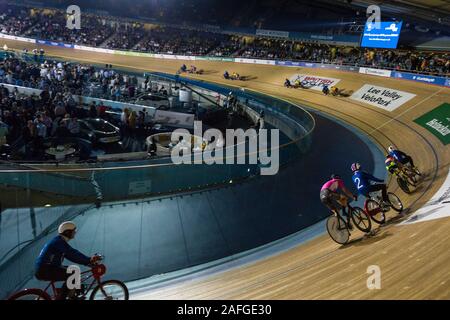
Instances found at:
x=376 y=209
x=337 y=226
x=91 y=286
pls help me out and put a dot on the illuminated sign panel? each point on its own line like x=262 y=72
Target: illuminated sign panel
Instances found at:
x=386 y=36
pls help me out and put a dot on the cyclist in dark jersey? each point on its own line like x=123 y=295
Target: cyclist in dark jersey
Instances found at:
x=48 y=266
x=400 y=156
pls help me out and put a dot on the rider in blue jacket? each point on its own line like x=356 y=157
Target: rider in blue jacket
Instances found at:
x=362 y=180
x=48 y=266
x=400 y=156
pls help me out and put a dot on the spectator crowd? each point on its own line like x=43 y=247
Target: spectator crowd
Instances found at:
x=129 y=35
x=28 y=119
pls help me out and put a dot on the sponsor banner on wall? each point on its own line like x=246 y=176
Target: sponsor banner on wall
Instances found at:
x=308 y=65
x=314 y=82
x=437 y=121
x=287 y=63
x=376 y=72
x=337 y=67
x=9 y=37
x=84 y=48
x=272 y=33
x=55 y=44
x=215 y=59
x=133 y=54
x=346 y=68
x=255 y=61
x=384 y=98
x=321 y=37
x=420 y=78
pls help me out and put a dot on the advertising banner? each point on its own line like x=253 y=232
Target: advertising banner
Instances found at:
x=214 y=59
x=314 y=82
x=308 y=65
x=287 y=63
x=55 y=44
x=437 y=121
x=9 y=37
x=95 y=49
x=272 y=33
x=133 y=54
x=376 y=72
x=420 y=78
x=384 y=98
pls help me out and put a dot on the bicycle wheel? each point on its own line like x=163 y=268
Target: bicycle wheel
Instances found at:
x=375 y=211
x=30 y=294
x=403 y=185
x=361 y=219
x=110 y=290
x=338 y=230
x=395 y=202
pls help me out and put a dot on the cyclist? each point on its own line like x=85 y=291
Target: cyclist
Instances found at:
x=391 y=164
x=334 y=91
x=362 y=180
x=334 y=200
x=287 y=83
x=48 y=265
x=400 y=156
x=193 y=69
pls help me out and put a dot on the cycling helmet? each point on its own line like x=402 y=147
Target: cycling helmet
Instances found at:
x=391 y=148
x=355 y=166
x=66 y=226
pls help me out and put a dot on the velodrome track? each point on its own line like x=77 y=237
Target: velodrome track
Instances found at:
x=414 y=258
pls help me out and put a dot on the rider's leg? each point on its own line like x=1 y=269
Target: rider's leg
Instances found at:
x=378 y=187
x=326 y=199
x=52 y=273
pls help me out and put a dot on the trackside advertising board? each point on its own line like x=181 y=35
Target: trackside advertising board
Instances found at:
x=376 y=72
x=441 y=81
x=384 y=98
x=314 y=82
x=437 y=121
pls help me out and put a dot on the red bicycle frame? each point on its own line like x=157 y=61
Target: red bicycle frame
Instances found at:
x=96 y=272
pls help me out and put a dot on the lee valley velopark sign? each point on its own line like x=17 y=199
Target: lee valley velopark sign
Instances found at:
x=437 y=121
x=384 y=98
x=316 y=83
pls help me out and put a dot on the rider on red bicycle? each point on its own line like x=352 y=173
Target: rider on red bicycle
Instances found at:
x=49 y=263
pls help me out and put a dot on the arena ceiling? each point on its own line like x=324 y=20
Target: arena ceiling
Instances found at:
x=428 y=10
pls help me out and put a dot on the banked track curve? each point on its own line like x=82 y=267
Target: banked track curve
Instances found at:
x=414 y=258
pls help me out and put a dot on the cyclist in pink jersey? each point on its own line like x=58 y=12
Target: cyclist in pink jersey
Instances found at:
x=334 y=200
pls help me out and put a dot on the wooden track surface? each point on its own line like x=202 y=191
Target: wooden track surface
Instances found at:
x=414 y=259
